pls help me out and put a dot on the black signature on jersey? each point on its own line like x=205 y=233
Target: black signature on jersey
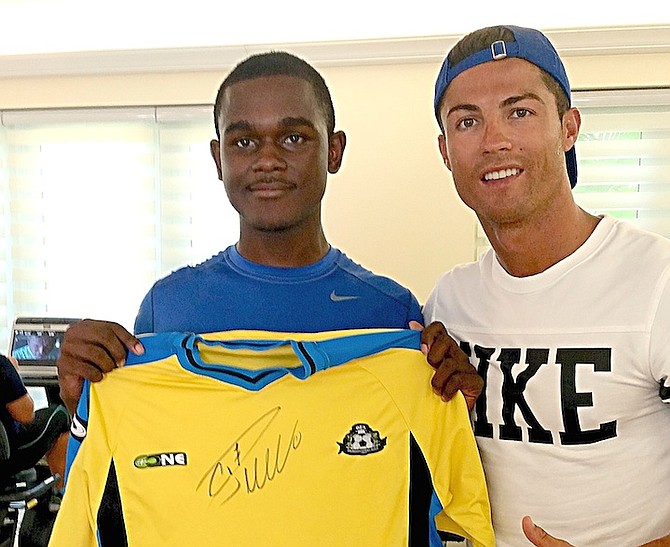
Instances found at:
x=252 y=460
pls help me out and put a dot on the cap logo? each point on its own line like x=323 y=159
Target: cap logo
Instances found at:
x=498 y=50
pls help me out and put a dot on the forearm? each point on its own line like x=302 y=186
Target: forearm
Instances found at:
x=22 y=409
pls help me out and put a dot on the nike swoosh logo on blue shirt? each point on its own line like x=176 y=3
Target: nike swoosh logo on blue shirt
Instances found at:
x=337 y=298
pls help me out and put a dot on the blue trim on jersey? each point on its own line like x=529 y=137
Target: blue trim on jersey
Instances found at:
x=156 y=347
x=435 y=508
x=77 y=428
x=314 y=355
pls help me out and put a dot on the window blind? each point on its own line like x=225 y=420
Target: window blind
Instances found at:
x=624 y=156
x=99 y=203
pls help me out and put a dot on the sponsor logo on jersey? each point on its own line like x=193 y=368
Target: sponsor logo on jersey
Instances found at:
x=164 y=459
x=78 y=428
x=361 y=440
x=341 y=297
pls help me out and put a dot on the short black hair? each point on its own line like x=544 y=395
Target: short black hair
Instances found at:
x=278 y=63
x=483 y=38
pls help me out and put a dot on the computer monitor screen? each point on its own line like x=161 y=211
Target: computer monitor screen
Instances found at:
x=36 y=343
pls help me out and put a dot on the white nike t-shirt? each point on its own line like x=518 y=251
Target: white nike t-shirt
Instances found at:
x=571 y=424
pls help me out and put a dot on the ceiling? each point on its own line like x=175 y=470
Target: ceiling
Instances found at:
x=47 y=26
x=77 y=36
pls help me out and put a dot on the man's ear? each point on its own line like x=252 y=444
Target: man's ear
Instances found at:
x=215 y=150
x=442 y=143
x=572 y=121
x=336 y=144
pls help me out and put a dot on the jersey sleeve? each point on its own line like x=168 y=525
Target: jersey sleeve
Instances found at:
x=89 y=461
x=458 y=476
x=78 y=428
x=444 y=434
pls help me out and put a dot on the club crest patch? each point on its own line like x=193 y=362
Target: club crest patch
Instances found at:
x=361 y=440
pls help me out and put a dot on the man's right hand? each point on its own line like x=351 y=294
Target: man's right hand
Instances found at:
x=90 y=349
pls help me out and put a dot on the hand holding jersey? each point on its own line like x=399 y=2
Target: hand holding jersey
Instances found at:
x=90 y=350
x=454 y=372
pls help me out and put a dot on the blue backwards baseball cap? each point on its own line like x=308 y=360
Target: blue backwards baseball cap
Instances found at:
x=528 y=44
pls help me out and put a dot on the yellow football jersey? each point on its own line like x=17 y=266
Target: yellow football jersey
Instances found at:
x=249 y=438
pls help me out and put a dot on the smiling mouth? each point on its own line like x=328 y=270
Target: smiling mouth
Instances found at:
x=501 y=174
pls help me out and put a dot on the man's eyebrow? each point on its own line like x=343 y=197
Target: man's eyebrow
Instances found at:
x=518 y=98
x=242 y=125
x=467 y=107
x=506 y=102
x=297 y=121
x=286 y=123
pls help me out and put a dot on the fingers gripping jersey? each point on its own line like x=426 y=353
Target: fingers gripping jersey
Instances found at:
x=256 y=438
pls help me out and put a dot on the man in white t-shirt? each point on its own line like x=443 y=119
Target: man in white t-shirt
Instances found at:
x=566 y=318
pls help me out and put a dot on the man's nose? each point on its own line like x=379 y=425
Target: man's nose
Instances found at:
x=496 y=136
x=270 y=157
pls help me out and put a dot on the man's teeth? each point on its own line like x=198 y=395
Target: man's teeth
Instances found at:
x=495 y=175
